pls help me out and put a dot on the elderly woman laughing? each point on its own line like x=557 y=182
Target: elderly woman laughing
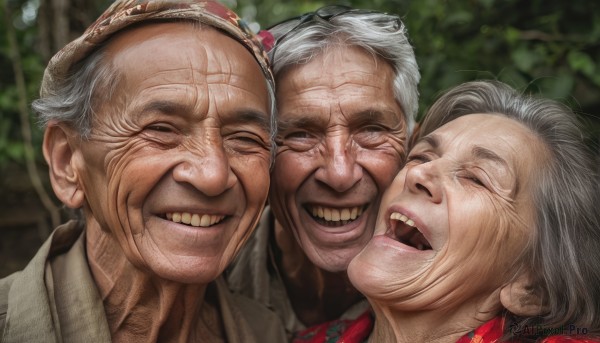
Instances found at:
x=491 y=231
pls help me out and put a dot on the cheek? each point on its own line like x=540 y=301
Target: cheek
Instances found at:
x=472 y=223
x=291 y=170
x=383 y=165
x=489 y=232
x=134 y=176
x=137 y=164
x=96 y=179
x=389 y=194
x=253 y=174
x=130 y=179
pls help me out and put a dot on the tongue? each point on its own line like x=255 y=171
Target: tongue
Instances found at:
x=412 y=237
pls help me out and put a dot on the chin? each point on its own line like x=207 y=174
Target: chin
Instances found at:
x=191 y=278
x=365 y=276
x=187 y=273
x=333 y=262
x=356 y=274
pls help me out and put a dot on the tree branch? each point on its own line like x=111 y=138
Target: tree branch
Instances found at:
x=32 y=170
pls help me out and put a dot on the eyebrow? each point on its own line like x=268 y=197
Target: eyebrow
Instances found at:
x=378 y=116
x=432 y=140
x=368 y=115
x=240 y=116
x=477 y=151
x=250 y=116
x=303 y=121
x=487 y=154
x=164 y=106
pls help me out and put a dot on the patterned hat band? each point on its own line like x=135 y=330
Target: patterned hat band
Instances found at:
x=124 y=13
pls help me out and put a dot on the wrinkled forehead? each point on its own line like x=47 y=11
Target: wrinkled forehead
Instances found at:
x=492 y=137
x=181 y=35
x=125 y=13
x=189 y=52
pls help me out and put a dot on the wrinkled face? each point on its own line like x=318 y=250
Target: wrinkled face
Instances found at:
x=177 y=168
x=456 y=218
x=341 y=140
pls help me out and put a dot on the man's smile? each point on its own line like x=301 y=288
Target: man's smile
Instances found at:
x=195 y=219
x=331 y=216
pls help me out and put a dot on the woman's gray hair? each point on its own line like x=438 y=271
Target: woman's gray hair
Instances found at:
x=299 y=41
x=564 y=253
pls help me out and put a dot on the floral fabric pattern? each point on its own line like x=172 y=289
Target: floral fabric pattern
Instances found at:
x=358 y=331
x=342 y=331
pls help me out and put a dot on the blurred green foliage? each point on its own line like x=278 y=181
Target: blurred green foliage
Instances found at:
x=11 y=146
x=550 y=47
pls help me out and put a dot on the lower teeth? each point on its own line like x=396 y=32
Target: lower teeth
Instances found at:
x=333 y=223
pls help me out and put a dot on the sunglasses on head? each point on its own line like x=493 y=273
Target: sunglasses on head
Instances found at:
x=325 y=13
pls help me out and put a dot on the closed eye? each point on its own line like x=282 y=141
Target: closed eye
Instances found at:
x=475 y=180
x=421 y=158
x=474 y=176
x=246 y=142
x=298 y=135
x=160 y=128
x=249 y=139
x=301 y=140
x=374 y=128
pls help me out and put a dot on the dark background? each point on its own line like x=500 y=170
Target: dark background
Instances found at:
x=551 y=47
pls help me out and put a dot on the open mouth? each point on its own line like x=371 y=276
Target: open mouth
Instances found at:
x=334 y=217
x=194 y=219
x=403 y=230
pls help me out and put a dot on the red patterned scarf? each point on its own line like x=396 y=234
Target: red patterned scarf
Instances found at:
x=346 y=331
x=358 y=331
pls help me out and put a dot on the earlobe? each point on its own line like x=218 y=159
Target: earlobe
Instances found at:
x=58 y=152
x=521 y=298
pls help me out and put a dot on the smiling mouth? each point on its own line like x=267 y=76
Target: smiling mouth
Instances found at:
x=194 y=219
x=334 y=217
x=404 y=231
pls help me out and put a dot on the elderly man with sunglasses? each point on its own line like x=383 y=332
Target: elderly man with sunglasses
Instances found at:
x=346 y=100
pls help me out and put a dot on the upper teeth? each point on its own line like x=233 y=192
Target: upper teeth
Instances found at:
x=194 y=219
x=334 y=214
x=403 y=218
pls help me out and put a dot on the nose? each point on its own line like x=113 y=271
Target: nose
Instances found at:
x=207 y=170
x=339 y=169
x=423 y=179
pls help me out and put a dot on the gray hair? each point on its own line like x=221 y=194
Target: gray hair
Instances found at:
x=299 y=41
x=564 y=253
x=93 y=81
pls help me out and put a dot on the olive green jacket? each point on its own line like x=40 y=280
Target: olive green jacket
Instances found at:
x=55 y=299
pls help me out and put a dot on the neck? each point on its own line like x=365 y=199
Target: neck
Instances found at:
x=431 y=326
x=141 y=307
x=316 y=295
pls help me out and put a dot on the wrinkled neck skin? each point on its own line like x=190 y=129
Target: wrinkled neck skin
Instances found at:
x=316 y=295
x=141 y=307
x=430 y=326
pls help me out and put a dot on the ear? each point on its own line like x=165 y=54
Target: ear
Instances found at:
x=58 y=152
x=521 y=298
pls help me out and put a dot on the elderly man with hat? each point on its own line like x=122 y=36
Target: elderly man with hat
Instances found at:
x=158 y=129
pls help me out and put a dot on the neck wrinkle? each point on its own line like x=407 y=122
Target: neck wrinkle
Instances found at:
x=428 y=326
x=316 y=295
x=141 y=307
